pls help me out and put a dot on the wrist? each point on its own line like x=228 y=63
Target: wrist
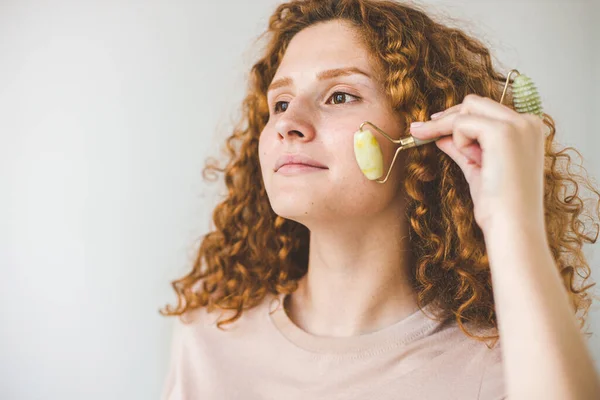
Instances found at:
x=512 y=236
x=502 y=223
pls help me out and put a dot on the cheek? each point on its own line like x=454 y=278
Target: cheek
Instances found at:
x=264 y=144
x=260 y=149
x=340 y=146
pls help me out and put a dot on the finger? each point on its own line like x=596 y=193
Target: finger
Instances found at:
x=450 y=110
x=471 y=155
x=475 y=129
x=448 y=147
x=472 y=104
x=467 y=130
x=435 y=128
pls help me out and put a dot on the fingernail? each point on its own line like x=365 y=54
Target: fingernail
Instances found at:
x=436 y=115
x=416 y=124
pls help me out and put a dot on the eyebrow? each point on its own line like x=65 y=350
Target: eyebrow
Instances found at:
x=328 y=74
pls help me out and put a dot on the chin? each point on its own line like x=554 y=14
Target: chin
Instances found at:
x=294 y=210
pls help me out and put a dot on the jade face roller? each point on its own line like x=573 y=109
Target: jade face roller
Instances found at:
x=368 y=153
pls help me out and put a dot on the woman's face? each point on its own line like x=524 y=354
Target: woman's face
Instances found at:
x=323 y=90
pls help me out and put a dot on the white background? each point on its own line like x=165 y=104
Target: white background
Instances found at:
x=108 y=110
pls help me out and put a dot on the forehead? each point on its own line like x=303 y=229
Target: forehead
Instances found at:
x=325 y=45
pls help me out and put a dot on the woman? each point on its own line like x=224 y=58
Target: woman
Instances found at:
x=318 y=283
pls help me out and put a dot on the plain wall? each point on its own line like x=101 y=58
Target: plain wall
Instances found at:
x=108 y=110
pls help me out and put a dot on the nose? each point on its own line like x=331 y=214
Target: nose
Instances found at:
x=295 y=122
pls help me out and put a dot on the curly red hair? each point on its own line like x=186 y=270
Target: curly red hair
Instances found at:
x=427 y=67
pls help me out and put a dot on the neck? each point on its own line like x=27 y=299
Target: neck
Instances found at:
x=357 y=279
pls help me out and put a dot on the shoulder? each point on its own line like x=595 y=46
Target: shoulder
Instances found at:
x=199 y=349
x=201 y=323
x=474 y=360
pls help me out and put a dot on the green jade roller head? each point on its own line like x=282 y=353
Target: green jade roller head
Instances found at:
x=525 y=96
x=368 y=153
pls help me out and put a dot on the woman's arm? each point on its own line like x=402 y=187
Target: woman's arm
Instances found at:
x=544 y=353
x=502 y=154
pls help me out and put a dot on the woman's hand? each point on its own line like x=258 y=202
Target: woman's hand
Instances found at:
x=501 y=153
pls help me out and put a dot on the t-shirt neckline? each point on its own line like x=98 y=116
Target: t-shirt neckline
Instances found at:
x=402 y=332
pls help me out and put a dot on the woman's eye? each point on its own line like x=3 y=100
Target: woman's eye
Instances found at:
x=340 y=97
x=335 y=98
x=281 y=106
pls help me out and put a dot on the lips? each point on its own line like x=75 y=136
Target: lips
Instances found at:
x=300 y=159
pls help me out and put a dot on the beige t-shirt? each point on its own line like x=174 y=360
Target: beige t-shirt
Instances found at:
x=264 y=355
